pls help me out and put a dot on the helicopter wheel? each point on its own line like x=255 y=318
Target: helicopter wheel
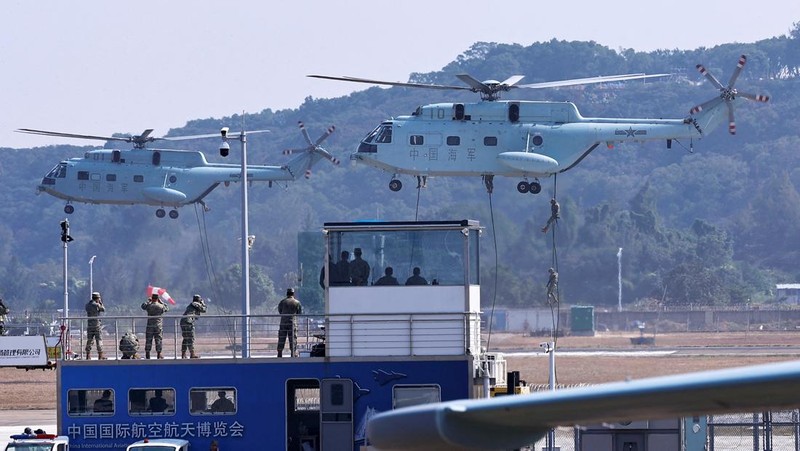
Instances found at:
x=395 y=185
x=160 y=213
x=69 y=209
x=173 y=214
x=523 y=187
x=536 y=187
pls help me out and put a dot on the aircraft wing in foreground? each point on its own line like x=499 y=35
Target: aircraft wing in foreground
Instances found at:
x=511 y=422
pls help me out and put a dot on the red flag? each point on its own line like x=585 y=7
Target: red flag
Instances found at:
x=162 y=294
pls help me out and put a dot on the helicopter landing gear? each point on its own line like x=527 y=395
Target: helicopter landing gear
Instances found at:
x=533 y=187
x=160 y=213
x=69 y=209
x=395 y=185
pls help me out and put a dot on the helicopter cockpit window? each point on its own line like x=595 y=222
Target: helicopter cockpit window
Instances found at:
x=385 y=134
x=58 y=172
x=416 y=140
x=490 y=140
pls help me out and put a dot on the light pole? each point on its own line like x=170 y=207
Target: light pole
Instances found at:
x=91 y=275
x=65 y=238
x=223 y=150
x=619 y=277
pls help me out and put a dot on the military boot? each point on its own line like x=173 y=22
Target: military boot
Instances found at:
x=147 y=354
x=100 y=356
x=159 y=356
x=183 y=353
x=88 y=355
x=192 y=355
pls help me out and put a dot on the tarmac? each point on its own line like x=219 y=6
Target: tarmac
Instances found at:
x=15 y=421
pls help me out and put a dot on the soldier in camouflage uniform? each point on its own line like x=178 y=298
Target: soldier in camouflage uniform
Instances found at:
x=93 y=309
x=129 y=345
x=3 y=312
x=155 y=325
x=193 y=310
x=288 y=308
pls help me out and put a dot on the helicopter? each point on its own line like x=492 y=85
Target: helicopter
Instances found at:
x=527 y=139
x=164 y=177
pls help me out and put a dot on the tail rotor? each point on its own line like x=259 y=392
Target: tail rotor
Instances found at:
x=727 y=93
x=313 y=147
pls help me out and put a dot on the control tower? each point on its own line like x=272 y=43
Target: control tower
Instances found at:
x=392 y=312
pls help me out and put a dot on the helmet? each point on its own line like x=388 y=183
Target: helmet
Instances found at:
x=290 y=292
x=96 y=295
x=196 y=298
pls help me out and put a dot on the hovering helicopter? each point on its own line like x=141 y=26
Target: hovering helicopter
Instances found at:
x=163 y=177
x=528 y=139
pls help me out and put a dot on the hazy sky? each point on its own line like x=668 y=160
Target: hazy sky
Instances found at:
x=106 y=66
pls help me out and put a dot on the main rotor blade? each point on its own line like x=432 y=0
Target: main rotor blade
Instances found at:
x=591 y=80
x=737 y=71
x=230 y=135
x=731 y=119
x=512 y=80
x=32 y=131
x=474 y=83
x=755 y=97
x=389 y=83
x=711 y=78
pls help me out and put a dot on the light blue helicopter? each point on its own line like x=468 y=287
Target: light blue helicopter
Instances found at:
x=163 y=177
x=527 y=139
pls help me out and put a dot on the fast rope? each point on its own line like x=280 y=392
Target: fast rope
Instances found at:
x=555 y=307
x=211 y=274
x=489 y=188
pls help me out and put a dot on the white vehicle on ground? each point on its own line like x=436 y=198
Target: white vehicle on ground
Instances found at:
x=162 y=444
x=38 y=442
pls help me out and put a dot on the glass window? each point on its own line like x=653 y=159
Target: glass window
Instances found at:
x=83 y=175
x=92 y=402
x=490 y=140
x=385 y=134
x=303 y=395
x=414 y=395
x=439 y=255
x=453 y=140
x=151 y=401
x=416 y=140
x=138 y=178
x=111 y=177
x=213 y=400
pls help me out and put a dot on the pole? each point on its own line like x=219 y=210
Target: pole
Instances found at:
x=245 y=252
x=91 y=275
x=619 y=277
x=550 y=348
x=65 y=238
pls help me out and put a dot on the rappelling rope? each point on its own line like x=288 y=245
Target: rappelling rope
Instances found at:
x=496 y=272
x=211 y=274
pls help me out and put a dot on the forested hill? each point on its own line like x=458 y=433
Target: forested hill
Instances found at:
x=717 y=225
